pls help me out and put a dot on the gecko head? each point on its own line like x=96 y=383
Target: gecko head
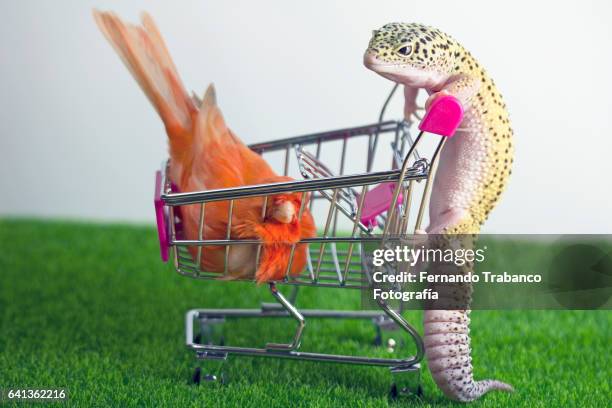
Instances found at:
x=412 y=54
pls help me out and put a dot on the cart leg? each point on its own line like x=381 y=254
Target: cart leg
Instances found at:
x=210 y=331
x=210 y=370
x=278 y=306
x=407 y=377
x=210 y=365
x=297 y=337
x=406 y=381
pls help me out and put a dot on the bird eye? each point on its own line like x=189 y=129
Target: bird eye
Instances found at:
x=405 y=50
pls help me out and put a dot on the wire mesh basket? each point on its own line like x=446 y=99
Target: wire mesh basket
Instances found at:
x=375 y=191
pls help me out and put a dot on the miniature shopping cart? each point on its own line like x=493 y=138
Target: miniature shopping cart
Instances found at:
x=353 y=212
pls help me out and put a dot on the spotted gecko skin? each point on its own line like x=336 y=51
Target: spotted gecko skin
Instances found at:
x=474 y=168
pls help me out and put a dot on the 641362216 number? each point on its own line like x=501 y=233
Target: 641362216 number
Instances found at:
x=33 y=394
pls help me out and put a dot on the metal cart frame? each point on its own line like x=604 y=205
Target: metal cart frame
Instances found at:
x=334 y=260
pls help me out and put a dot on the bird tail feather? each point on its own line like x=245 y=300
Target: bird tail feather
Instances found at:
x=144 y=52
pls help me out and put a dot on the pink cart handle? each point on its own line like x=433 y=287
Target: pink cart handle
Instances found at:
x=443 y=116
x=161 y=218
x=377 y=201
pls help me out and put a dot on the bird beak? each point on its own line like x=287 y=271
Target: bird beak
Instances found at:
x=284 y=212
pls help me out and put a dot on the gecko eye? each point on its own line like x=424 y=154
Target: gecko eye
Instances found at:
x=405 y=50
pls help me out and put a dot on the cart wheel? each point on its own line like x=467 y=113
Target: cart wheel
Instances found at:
x=197 y=376
x=220 y=379
x=395 y=393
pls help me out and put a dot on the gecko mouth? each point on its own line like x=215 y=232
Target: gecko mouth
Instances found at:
x=380 y=65
x=372 y=62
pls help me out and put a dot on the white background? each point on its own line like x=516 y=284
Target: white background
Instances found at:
x=79 y=139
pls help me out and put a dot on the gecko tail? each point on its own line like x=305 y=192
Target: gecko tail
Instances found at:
x=477 y=389
x=447 y=348
x=494 y=385
x=484 y=386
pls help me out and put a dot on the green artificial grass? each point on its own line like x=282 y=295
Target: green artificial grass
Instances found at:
x=92 y=308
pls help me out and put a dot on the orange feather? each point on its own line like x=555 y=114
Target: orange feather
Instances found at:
x=205 y=154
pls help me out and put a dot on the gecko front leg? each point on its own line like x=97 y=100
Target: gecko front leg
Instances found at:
x=463 y=87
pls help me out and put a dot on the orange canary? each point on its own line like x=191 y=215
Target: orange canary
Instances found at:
x=205 y=154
